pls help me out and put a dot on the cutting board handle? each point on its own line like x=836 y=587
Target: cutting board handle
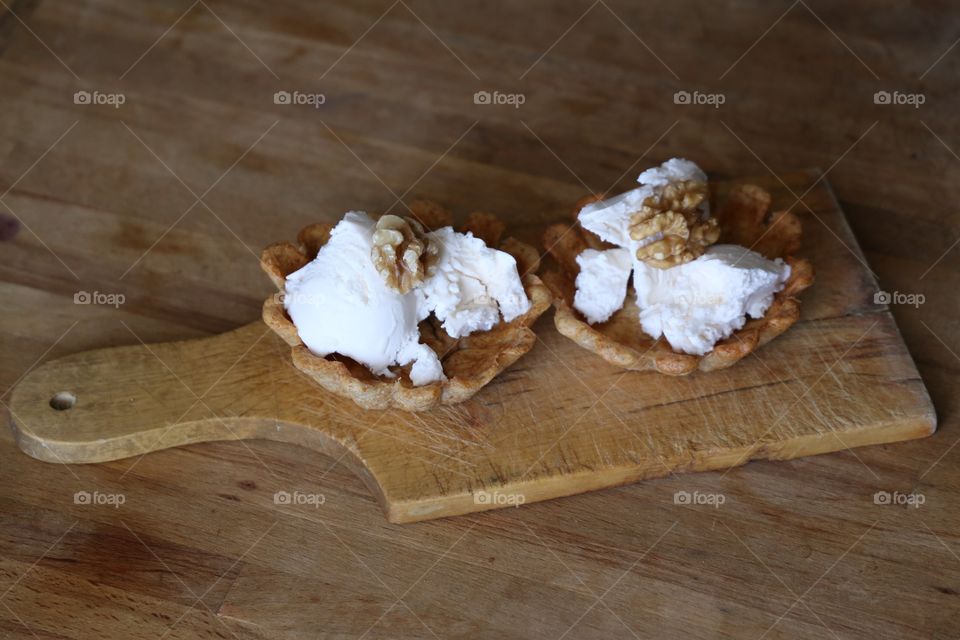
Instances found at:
x=118 y=402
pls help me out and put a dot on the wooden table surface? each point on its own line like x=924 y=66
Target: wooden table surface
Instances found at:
x=159 y=190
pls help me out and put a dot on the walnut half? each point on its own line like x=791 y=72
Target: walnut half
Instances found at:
x=672 y=215
x=402 y=252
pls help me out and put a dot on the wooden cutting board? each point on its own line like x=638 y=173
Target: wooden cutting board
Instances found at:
x=557 y=423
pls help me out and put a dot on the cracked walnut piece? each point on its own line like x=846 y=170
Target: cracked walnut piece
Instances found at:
x=680 y=231
x=402 y=252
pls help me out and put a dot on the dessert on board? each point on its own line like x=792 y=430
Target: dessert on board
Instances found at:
x=660 y=278
x=404 y=311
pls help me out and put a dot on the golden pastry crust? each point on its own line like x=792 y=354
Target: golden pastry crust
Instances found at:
x=485 y=226
x=469 y=362
x=743 y=219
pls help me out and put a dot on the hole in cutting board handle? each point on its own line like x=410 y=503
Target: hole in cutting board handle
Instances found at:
x=63 y=400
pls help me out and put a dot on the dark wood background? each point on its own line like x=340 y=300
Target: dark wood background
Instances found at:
x=168 y=198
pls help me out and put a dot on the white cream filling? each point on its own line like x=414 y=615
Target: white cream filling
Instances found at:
x=472 y=285
x=697 y=304
x=602 y=283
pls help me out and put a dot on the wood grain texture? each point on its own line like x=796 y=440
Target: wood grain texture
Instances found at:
x=559 y=422
x=799 y=548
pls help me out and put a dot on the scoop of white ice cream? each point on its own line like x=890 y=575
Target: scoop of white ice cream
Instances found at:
x=470 y=282
x=602 y=283
x=340 y=304
x=697 y=304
